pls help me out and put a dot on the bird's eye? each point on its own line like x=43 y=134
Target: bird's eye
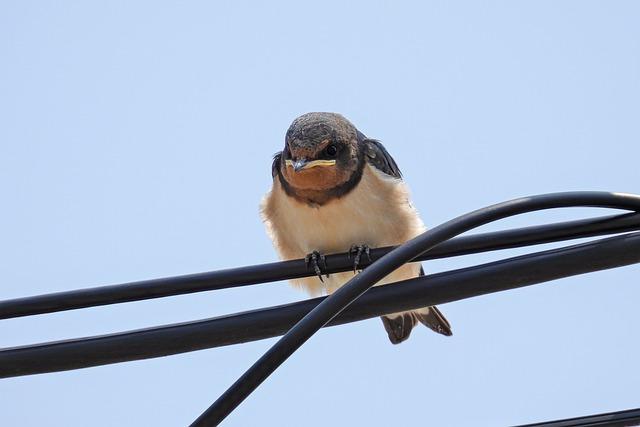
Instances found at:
x=331 y=150
x=286 y=152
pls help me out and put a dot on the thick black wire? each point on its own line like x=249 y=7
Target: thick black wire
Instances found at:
x=267 y=322
x=249 y=275
x=355 y=287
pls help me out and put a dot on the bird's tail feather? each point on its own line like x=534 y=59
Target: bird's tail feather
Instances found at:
x=399 y=325
x=432 y=318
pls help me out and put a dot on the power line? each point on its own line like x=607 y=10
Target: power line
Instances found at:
x=250 y=275
x=627 y=418
x=269 y=322
x=354 y=288
x=308 y=316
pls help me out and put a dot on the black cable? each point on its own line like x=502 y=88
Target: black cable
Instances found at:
x=251 y=275
x=355 y=287
x=269 y=322
x=626 y=418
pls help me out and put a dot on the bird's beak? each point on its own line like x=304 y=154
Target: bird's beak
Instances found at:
x=303 y=163
x=299 y=164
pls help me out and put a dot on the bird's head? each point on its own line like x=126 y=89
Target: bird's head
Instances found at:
x=321 y=152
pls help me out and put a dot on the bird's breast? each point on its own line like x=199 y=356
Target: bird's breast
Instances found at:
x=376 y=213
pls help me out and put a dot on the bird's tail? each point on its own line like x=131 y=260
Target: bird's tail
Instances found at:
x=399 y=325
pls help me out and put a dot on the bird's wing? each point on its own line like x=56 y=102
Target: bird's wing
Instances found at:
x=379 y=157
x=276 y=164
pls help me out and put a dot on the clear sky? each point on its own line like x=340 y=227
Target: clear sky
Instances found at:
x=136 y=142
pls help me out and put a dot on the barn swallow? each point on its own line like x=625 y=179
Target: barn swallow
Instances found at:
x=335 y=190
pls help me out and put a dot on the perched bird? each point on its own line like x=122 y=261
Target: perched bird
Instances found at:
x=335 y=190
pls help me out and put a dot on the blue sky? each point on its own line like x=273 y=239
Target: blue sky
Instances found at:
x=136 y=140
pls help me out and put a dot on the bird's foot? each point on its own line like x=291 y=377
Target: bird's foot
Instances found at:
x=318 y=261
x=357 y=251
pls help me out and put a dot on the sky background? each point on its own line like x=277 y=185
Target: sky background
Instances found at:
x=136 y=142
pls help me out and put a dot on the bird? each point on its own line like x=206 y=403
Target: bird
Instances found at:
x=335 y=190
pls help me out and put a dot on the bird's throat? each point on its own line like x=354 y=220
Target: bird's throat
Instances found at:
x=318 y=186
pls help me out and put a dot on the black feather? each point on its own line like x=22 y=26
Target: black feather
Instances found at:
x=399 y=326
x=275 y=166
x=377 y=156
x=434 y=319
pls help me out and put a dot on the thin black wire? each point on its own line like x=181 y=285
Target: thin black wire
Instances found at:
x=269 y=322
x=630 y=417
x=355 y=287
x=250 y=275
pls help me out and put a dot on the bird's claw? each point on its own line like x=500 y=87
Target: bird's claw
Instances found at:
x=313 y=259
x=358 y=250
